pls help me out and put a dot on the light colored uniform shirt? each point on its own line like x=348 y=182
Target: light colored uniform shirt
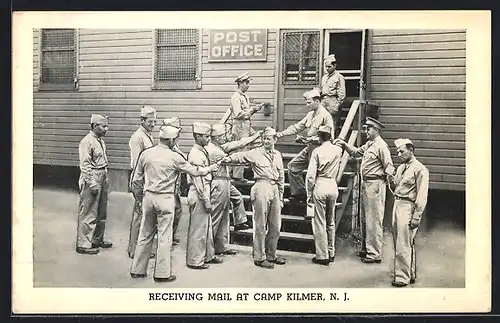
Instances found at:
x=216 y=152
x=324 y=162
x=265 y=165
x=312 y=121
x=140 y=140
x=159 y=167
x=412 y=182
x=199 y=156
x=240 y=106
x=334 y=85
x=376 y=159
x=92 y=155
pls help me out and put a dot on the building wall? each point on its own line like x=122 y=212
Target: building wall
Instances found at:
x=418 y=78
x=115 y=78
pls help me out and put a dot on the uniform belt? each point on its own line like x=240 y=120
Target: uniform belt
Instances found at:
x=221 y=177
x=268 y=180
x=148 y=191
x=100 y=168
x=329 y=95
x=404 y=198
x=372 y=177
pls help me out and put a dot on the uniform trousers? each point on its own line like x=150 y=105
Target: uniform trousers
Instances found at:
x=405 y=263
x=373 y=193
x=324 y=197
x=295 y=168
x=219 y=196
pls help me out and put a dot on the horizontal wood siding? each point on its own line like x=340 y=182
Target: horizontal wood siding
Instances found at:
x=418 y=78
x=115 y=71
x=36 y=58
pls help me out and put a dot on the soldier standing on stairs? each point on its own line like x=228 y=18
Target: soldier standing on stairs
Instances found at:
x=238 y=115
x=176 y=122
x=322 y=192
x=376 y=166
x=94 y=186
x=200 y=241
x=266 y=196
x=156 y=173
x=315 y=118
x=333 y=90
x=140 y=140
x=410 y=199
x=221 y=186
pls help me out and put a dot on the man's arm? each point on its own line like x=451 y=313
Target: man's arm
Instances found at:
x=136 y=147
x=85 y=156
x=312 y=170
x=196 y=159
x=385 y=157
x=341 y=92
x=235 y=145
x=293 y=129
x=422 y=183
x=184 y=166
x=242 y=157
x=137 y=178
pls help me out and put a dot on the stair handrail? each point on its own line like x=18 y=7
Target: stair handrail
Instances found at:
x=349 y=119
x=345 y=155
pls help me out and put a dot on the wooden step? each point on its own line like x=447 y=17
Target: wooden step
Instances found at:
x=283 y=235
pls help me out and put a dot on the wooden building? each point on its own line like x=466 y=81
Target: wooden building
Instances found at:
x=416 y=77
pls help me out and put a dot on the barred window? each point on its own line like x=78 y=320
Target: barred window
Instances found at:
x=58 y=64
x=301 y=57
x=177 y=59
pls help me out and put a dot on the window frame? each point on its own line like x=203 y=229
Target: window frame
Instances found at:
x=74 y=86
x=195 y=84
x=301 y=57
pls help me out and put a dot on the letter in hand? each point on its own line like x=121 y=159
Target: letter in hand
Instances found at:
x=414 y=223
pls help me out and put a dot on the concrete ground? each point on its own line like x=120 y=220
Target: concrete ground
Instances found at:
x=440 y=256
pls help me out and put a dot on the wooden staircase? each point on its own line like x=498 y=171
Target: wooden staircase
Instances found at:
x=296 y=231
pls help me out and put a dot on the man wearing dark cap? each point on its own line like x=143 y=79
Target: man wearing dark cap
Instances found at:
x=93 y=184
x=239 y=115
x=410 y=199
x=376 y=165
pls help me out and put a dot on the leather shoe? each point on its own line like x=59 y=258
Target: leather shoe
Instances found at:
x=264 y=264
x=361 y=254
x=164 y=280
x=371 y=261
x=412 y=281
x=87 y=251
x=104 y=244
x=152 y=255
x=204 y=266
x=278 y=261
x=243 y=226
x=137 y=275
x=331 y=259
x=229 y=252
x=215 y=260
x=324 y=262
x=398 y=284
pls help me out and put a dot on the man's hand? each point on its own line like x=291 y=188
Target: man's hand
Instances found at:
x=301 y=139
x=257 y=134
x=94 y=188
x=207 y=205
x=279 y=135
x=310 y=200
x=339 y=142
x=281 y=204
x=215 y=166
x=226 y=160
x=414 y=223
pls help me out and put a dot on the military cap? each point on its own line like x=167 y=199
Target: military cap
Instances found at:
x=218 y=129
x=269 y=132
x=325 y=129
x=374 y=123
x=331 y=58
x=201 y=128
x=98 y=119
x=314 y=93
x=403 y=142
x=148 y=112
x=243 y=77
x=169 y=132
x=175 y=122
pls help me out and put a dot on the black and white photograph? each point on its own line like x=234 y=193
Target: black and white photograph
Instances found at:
x=243 y=164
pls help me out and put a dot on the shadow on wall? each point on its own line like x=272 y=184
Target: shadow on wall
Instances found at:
x=442 y=207
x=64 y=177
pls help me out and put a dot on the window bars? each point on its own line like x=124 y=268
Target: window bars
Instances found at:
x=58 y=61
x=301 y=57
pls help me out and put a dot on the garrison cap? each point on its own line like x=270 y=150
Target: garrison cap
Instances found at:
x=148 y=112
x=402 y=142
x=325 y=129
x=169 y=132
x=98 y=119
x=374 y=123
x=218 y=129
x=202 y=128
x=330 y=59
x=175 y=122
x=314 y=93
x=243 y=77
x=269 y=132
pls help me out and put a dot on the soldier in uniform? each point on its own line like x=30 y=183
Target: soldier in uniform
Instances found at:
x=176 y=122
x=239 y=115
x=322 y=192
x=156 y=173
x=200 y=241
x=410 y=199
x=315 y=118
x=140 y=140
x=333 y=90
x=221 y=186
x=376 y=165
x=266 y=196
x=93 y=184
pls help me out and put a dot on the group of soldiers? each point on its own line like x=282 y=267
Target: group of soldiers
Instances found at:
x=216 y=160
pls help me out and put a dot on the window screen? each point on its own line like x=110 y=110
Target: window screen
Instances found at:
x=58 y=61
x=301 y=56
x=177 y=56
